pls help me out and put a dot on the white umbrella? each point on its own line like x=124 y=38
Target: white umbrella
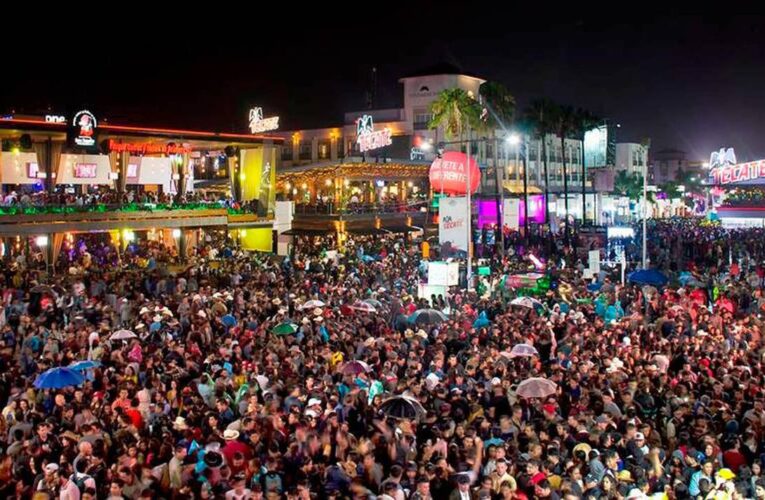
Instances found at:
x=536 y=387
x=523 y=350
x=526 y=302
x=262 y=381
x=365 y=307
x=312 y=304
x=122 y=335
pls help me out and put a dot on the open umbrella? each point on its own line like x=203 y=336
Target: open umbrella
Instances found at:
x=527 y=302
x=81 y=366
x=364 y=307
x=373 y=302
x=312 y=304
x=285 y=329
x=262 y=381
x=122 y=335
x=427 y=317
x=662 y=362
x=403 y=407
x=43 y=289
x=523 y=350
x=536 y=387
x=228 y=320
x=482 y=321
x=648 y=277
x=58 y=378
x=355 y=367
x=367 y=258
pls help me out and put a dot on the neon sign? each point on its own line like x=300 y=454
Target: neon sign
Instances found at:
x=84 y=124
x=722 y=158
x=259 y=124
x=85 y=170
x=741 y=172
x=148 y=148
x=55 y=119
x=368 y=138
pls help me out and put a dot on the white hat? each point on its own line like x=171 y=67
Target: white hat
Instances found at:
x=314 y=401
x=180 y=424
x=276 y=301
x=496 y=381
x=51 y=468
x=230 y=435
x=157 y=318
x=311 y=413
x=317 y=311
x=639 y=436
x=140 y=326
x=202 y=314
x=143 y=310
x=635 y=494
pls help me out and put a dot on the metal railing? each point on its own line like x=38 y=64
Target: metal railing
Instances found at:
x=359 y=208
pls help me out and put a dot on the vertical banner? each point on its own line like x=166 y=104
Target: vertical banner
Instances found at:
x=452 y=222
x=511 y=213
x=594 y=261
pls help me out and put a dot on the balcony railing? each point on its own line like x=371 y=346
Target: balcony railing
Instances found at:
x=51 y=209
x=359 y=208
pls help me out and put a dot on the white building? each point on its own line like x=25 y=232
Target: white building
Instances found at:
x=631 y=157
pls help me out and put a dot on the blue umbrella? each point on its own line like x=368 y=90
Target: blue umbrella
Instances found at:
x=367 y=258
x=228 y=320
x=482 y=321
x=594 y=287
x=684 y=278
x=648 y=277
x=58 y=378
x=81 y=366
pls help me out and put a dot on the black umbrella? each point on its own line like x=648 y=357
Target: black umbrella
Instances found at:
x=403 y=407
x=427 y=317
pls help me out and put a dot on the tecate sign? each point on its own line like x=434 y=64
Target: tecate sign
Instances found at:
x=742 y=172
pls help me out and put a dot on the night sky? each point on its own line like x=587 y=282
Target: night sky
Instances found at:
x=690 y=82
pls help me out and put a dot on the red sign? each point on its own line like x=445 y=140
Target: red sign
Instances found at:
x=450 y=173
x=148 y=148
x=85 y=170
x=739 y=173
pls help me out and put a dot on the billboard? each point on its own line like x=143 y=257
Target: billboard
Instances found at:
x=596 y=147
x=452 y=222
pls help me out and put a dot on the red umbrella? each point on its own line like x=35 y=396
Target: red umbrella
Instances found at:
x=699 y=296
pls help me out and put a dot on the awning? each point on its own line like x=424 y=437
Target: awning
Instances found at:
x=401 y=229
x=516 y=187
x=367 y=231
x=306 y=232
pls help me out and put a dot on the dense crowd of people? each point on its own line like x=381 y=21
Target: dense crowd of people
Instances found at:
x=319 y=376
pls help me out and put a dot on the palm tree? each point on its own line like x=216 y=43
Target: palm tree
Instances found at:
x=584 y=122
x=500 y=112
x=565 y=127
x=455 y=111
x=539 y=117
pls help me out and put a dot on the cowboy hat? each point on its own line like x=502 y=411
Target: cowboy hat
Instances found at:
x=180 y=424
x=230 y=435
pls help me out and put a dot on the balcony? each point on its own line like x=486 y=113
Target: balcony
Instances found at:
x=43 y=219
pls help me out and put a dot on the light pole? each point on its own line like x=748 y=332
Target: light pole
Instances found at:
x=469 y=266
x=645 y=205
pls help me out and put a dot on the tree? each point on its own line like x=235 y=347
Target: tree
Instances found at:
x=499 y=106
x=565 y=120
x=539 y=119
x=455 y=111
x=584 y=122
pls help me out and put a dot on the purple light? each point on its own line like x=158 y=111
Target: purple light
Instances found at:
x=487 y=213
x=536 y=209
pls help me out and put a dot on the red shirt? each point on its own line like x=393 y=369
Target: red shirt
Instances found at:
x=135 y=418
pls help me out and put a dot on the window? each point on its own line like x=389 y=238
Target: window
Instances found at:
x=305 y=150
x=324 y=149
x=422 y=119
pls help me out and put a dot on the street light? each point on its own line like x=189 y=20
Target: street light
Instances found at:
x=513 y=139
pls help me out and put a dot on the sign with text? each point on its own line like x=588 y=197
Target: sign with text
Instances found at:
x=452 y=222
x=511 y=213
x=742 y=172
x=443 y=273
x=85 y=170
x=593 y=261
x=32 y=170
x=259 y=124
x=368 y=138
x=146 y=148
x=83 y=129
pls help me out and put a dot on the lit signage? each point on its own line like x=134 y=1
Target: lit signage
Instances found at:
x=85 y=170
x=368 y=138
x=727 y=174
x=596 y=147
x=55 y=119
x=722 y=158
x=132 y=171
x=148 y=148
x=84 y=124
x=32 y=170
x=259 y=124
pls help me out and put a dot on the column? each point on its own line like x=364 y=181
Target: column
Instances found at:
x=333 y=148
x=182 y=245
x=314 y=149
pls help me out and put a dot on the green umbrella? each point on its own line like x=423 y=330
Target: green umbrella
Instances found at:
x=285 y=329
